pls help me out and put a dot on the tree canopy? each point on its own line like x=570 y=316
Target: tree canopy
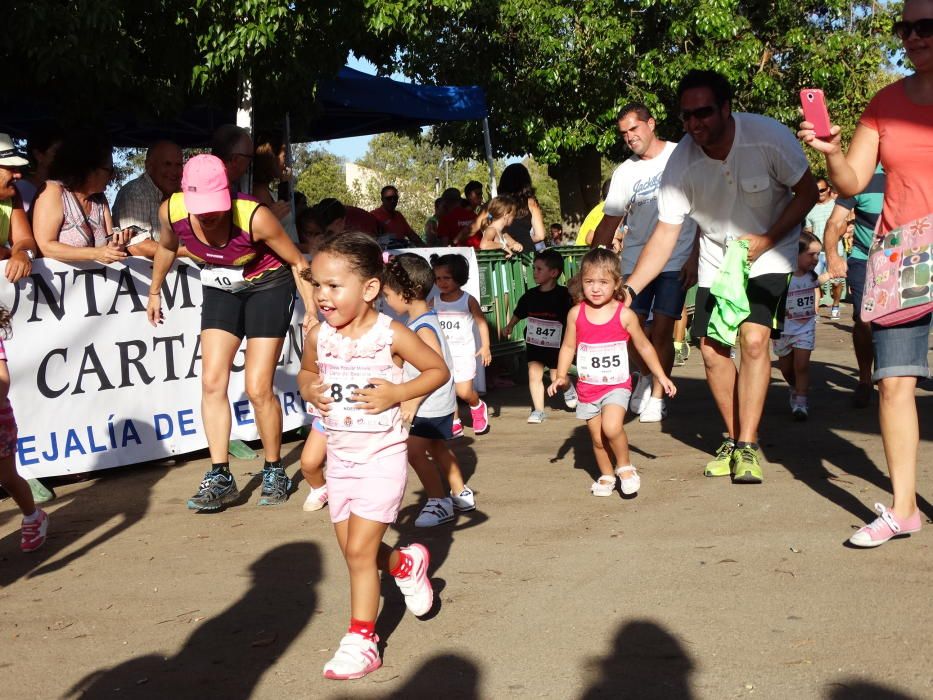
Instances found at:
x=556 y=72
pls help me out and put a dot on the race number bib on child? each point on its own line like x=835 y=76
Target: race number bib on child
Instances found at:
x=543 y=333
x=225 y=277
x=458 y=330
x=602 y=363
x=345 y=413
x=801 y=304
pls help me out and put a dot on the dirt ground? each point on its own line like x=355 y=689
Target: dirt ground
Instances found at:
x=696 y=588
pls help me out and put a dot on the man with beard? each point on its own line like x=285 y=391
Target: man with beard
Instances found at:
x=739 y=177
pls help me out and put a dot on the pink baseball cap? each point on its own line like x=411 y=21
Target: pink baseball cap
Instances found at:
x=204 y=185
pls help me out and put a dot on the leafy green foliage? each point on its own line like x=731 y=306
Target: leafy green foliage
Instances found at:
x=556 y=72
x=320 y=175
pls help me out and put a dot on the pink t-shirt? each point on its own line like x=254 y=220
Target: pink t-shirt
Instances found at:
x=905 y=130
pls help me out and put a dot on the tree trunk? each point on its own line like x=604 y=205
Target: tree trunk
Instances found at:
x=578 y=182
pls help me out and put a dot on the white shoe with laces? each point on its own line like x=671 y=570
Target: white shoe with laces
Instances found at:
x=355 y=657
x=653 y=411
x=641 y=394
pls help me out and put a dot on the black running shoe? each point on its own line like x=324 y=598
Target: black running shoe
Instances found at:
x=217 y=489
x=275 y=485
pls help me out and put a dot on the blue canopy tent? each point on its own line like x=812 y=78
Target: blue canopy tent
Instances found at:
x=352 y=104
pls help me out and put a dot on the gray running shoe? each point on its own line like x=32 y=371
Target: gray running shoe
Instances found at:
x=275 y=485
x=217 y=489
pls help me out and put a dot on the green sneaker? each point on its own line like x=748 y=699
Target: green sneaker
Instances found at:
x=721 y=464
x=746 y=468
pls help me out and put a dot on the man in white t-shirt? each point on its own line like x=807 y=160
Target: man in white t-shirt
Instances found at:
x=633 y=194
x=738 y=176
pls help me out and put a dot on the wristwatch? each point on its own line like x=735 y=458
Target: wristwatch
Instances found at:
x=30 y=255
x=631 y=292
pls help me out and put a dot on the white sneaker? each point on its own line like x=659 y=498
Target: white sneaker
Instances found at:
x=653 y=411
x=464 y=501
x=436 y=511
x=641 y=394
x=570 y=397
x=792 y=399
x=604 y=486
x=356 y=656
x=316 y=500
x=631 y=482
x=536 y=417
x=416 y=587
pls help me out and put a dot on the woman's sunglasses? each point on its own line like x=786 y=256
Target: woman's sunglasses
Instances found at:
x=923 y=28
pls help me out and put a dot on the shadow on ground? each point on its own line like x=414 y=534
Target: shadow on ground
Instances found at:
x=225 y=657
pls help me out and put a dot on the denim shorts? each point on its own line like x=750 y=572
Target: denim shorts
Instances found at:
x=855 y=277
x=901 y=351
x=665 y=296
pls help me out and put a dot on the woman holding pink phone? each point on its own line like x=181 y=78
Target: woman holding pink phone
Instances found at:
x=896 y=130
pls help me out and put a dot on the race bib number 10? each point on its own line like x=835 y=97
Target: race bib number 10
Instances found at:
x=225 y=277
x=603 y=364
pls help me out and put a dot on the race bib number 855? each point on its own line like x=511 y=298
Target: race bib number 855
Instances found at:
x=603 y=363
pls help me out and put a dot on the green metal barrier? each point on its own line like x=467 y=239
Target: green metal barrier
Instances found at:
x=503 y=281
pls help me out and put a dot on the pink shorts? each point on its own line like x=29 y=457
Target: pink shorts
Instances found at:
x=373 y=490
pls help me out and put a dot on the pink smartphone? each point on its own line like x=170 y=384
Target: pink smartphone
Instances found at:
x=814 y=111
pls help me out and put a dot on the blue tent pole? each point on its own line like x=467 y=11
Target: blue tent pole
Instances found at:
x=489 y=161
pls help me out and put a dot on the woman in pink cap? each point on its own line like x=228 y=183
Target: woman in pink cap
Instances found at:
x=249 y=272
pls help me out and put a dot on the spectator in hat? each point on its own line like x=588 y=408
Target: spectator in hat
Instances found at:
x=17 y=246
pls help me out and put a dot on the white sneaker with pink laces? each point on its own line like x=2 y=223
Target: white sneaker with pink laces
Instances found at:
x=34 y=529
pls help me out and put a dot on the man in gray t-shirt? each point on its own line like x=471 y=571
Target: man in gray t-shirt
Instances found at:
x=633 y=194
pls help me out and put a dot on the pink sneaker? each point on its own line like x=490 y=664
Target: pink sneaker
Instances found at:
x=480 y=416
x=884 y=527
x=34 y=532
x=457 y=430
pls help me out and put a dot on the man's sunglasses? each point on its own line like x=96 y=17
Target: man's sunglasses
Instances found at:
x=821 y=190
x=698 y=113
x=393 y=198
x=923 y=28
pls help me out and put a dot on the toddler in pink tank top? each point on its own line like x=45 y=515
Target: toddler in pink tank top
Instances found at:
x=598 y=331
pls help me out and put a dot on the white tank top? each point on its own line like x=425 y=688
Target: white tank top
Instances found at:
x=443 y=401
x=457 y=324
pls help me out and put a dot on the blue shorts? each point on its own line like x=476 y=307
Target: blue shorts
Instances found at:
x=665 y=296
x=437 y=428
x=901 y=351
x=855 y=278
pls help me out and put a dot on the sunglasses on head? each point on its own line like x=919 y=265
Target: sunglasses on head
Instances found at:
x=922 y=27
x=698 y=113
